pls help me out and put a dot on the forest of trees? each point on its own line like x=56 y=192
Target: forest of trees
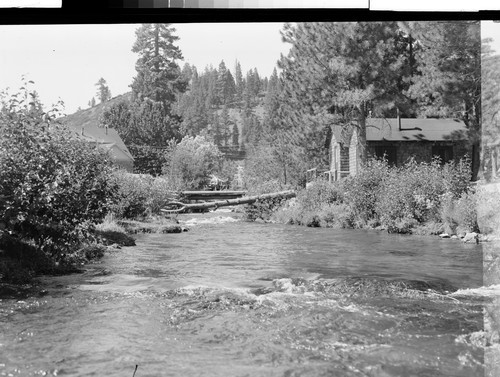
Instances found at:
x=334 y=73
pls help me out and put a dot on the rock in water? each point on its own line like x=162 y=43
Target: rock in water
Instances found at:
x=444 y=235
x=471 y=237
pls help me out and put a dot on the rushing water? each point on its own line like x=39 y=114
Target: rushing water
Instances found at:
x=230 y=298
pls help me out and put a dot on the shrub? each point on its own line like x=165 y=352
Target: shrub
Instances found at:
x=192 y=161
x=260 y=168
x=132 y=195
x=459 y=215
x=361 y=192
x=140 y=195
x=53 y=186
x=488 y=208
x=264 y=209
x=319 y=193
x=320 y=205
x=414 y=193
x=229 y=172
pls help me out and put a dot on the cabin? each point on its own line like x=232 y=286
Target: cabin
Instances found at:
x=108 y=139
x=85 y=123
x=398 y=140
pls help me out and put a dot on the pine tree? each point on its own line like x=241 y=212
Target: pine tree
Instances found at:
x=187 y=72
x=449 y=80
x=238 y=78
x=103 y=92
x=229 y=88
x=235 y=136
x=150 y=121
x=220 y=84
x=272 y=102
x=490 y=92
x=92 y=102
x=158 y=74
x=335 y=73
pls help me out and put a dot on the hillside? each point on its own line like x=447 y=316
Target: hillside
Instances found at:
x=90 y=116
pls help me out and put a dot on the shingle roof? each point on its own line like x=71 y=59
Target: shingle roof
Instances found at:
x=88 y=120
x=428 y=129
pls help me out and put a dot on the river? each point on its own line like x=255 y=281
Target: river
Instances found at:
x=232 y=298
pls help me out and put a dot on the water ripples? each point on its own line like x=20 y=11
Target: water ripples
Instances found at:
x=235 y=299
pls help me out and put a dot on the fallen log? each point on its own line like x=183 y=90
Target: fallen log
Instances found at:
x=177 y=207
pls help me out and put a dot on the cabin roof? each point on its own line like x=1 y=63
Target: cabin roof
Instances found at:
x=86 y=125
x=428 y=129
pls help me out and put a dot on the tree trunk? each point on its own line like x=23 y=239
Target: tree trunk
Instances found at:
x=229 y=202
x=362 y=135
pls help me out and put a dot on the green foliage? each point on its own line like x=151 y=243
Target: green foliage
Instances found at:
x=449 y=75
x=413 y=194
x=148 y=122
x=319 y=193
x=147 y=159
x=146 y=128
x=103 y=92
x=262 y=209
x=490 y=103
x=145 y=123
x=413 y=198
x=158 y=74
x=320 y=205
x=335 y=73
x=191 y=162
x=262 y=168
x=53 y=187
x=140 y=195
x=488 y=208
x=229 y=171
x=362 y=190
x=459 y=215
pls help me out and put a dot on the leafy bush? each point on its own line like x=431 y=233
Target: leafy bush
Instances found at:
x=361 y=192
x=140 y=195
x=261 y=167
x=229 y=172
x=459 y=215
x=53 y=186
x=488 y=208
x=413 y=194
x=192 y=161
x=319 y=193
x=148 y=159
x=132 y=195
x=321 y=204
x=414 y=197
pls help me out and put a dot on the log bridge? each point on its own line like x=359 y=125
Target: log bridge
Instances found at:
x=177 y=207
x=211 y=195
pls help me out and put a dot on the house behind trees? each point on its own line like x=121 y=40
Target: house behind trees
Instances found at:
x=397 y=140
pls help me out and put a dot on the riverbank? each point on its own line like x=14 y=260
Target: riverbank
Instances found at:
x=422 y=199
x=20 y=261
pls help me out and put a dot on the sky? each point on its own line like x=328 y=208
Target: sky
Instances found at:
x=490 y=29
x=65 y=61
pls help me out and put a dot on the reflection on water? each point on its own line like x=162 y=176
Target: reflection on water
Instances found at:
x=242 y=299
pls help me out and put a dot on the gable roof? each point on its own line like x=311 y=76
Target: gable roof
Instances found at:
x=428 y=129
x=86 y=125
x=342 y=134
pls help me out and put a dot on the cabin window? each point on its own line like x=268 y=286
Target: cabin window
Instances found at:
x=444 y=152
x=390 y=153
